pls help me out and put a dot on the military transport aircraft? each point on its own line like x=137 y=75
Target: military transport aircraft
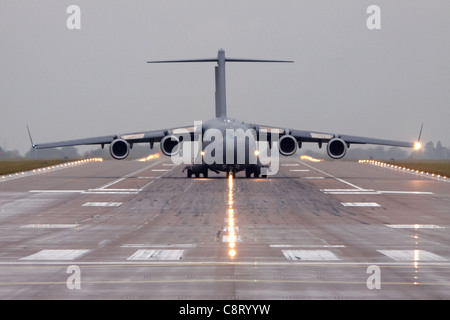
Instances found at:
x=225 y=144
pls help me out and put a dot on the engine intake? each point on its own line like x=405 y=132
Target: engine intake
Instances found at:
x=119 y=149
x=336 y=148
x=170 y=145
x=288 y=145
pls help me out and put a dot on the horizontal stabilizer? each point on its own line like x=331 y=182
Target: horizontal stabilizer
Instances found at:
x=217 y=60
x=221 y=109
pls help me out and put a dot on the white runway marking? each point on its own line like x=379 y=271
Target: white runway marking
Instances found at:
x=330 y=175
x=102 y=204
x=56 y=191
x=314 y=178
x=310 y=255
x=411 y=255
x=158 y=246
x=299 y=170
x=306 y=246
x=404 y=192
x=414 y=226
x=231 y=239
x=109 y=192
x=49 y=226
x=146 y=255
x=350 y=191
x=104 y=188
x=360 y=204
x=56 y=255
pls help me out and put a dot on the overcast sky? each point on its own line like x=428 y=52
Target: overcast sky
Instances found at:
x=69 y=84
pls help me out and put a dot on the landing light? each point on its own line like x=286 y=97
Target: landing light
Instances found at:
x=150 y=157
x=417 y=146
x=305 y=157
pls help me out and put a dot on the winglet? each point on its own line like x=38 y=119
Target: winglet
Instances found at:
x=418 y=145
x=420 y=134
x=31 y=139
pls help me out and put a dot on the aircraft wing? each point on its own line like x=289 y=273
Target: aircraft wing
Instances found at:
x=321 y=137
x=311 y=136
x=337 y=144
x=131 y=138
x=148 y=136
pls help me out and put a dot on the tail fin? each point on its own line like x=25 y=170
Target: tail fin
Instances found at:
x=221 y=104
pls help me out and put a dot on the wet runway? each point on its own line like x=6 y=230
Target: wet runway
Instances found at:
x=141 y=230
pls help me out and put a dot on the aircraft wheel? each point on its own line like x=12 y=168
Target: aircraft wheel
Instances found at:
x=257 y=172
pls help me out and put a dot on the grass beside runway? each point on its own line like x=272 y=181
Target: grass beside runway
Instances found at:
x=14 y=166
x=441 y=167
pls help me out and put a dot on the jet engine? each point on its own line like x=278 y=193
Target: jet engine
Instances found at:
x=336 y=148
x=288 y=145
x=119 y=149
x=170 y=145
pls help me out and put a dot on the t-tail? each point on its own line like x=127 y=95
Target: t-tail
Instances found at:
x=221 y=99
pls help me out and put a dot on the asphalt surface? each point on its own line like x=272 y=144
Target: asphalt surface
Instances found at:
x=142 y=230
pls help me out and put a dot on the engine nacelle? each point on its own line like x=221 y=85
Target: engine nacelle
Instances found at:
x=119 y=149
x=288 y=145
x=170 y=145
x=336 y=148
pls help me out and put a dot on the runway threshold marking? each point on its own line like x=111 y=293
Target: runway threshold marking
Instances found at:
x=56 y=191
x=310 y=255
x=102 y=204
x=49 y=226
x=56 y=255
x=307 y=246
x=411 y=255
x=414 y=226
x=174 y=245
x=360 y=204
x=157 y=255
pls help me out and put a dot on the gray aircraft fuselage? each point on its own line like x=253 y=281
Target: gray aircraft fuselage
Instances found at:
x=238 y=147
